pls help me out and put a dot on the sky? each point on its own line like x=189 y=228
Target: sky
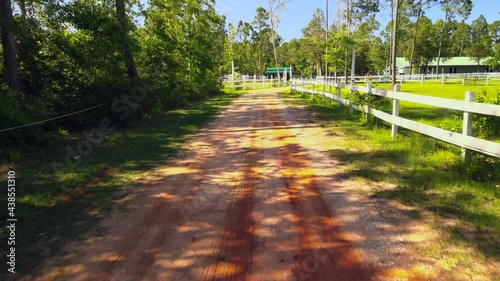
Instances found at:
x=298 y=13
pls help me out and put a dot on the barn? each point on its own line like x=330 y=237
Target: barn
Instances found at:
x=273 y=72
x=446 y=65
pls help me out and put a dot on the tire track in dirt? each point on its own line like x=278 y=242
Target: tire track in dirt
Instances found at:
x=236 y=250
x=326 y=253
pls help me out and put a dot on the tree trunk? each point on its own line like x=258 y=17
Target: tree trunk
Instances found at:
x=129 y=57
x=22 y=7
x=9 y=45
x=462 y=48
x=441 y=41
x=415 y=36
x=394 y=43
x=260 y=55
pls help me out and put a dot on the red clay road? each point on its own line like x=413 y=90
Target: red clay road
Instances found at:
x=242 y=203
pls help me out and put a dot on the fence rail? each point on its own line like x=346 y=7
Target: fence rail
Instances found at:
x=252 y=83
x=463 y=78
x=468 y=107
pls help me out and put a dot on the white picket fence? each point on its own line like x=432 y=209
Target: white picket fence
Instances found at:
x=468 y=107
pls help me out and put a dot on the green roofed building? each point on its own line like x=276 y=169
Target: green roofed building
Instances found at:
x=446 y=65
x=273 y=71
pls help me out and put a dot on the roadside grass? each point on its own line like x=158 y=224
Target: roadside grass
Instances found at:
x=425 y=173
x=435 y=116
x=56 y=207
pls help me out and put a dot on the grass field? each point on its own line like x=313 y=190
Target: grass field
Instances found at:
x=425 y=173
x=54 y=208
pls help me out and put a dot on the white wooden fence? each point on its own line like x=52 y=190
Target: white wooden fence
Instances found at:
x=460 y=78
x=468 y=107
x=252 y=83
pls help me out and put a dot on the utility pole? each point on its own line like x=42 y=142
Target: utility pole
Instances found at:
x=394 y=42
x=326 y=46
x=348 y=23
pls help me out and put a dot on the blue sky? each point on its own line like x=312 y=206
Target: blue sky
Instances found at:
x=299 y=12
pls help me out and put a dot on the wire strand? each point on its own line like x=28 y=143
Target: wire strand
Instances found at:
x=54 y=118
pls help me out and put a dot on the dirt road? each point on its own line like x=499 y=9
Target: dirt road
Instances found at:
x=250 y=199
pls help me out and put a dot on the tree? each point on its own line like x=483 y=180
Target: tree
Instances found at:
x=480 y=46
x=494 y=29
x=337 y=49
x=314 y=46
x=452 y=8
x=9 y=45
x=260 y=23
x=274 y=7
x=494 y=61
x=426 y=46
x=129 y=57
x=365 y=41
x=417 y=10
x=460 y=38
x=378 y=55
x=357 y=11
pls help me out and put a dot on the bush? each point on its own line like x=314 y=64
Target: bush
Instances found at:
x=373 y=101
x=17 y=110
x=487 y=126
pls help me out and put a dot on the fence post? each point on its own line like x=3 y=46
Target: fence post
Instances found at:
x=368 y=109
x=351 y=109
x=254 y=81
x=312 y=95
x=467 y=129
x=244 y=82
x=395 y=111
x=486 y=78
x=463 y=82
x=353 y=68
x=330 y=88
x=263 y=82
x=442 y=79
x=338 y=95
x=422 y=80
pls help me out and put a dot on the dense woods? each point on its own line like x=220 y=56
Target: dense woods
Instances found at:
x=60 y=57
